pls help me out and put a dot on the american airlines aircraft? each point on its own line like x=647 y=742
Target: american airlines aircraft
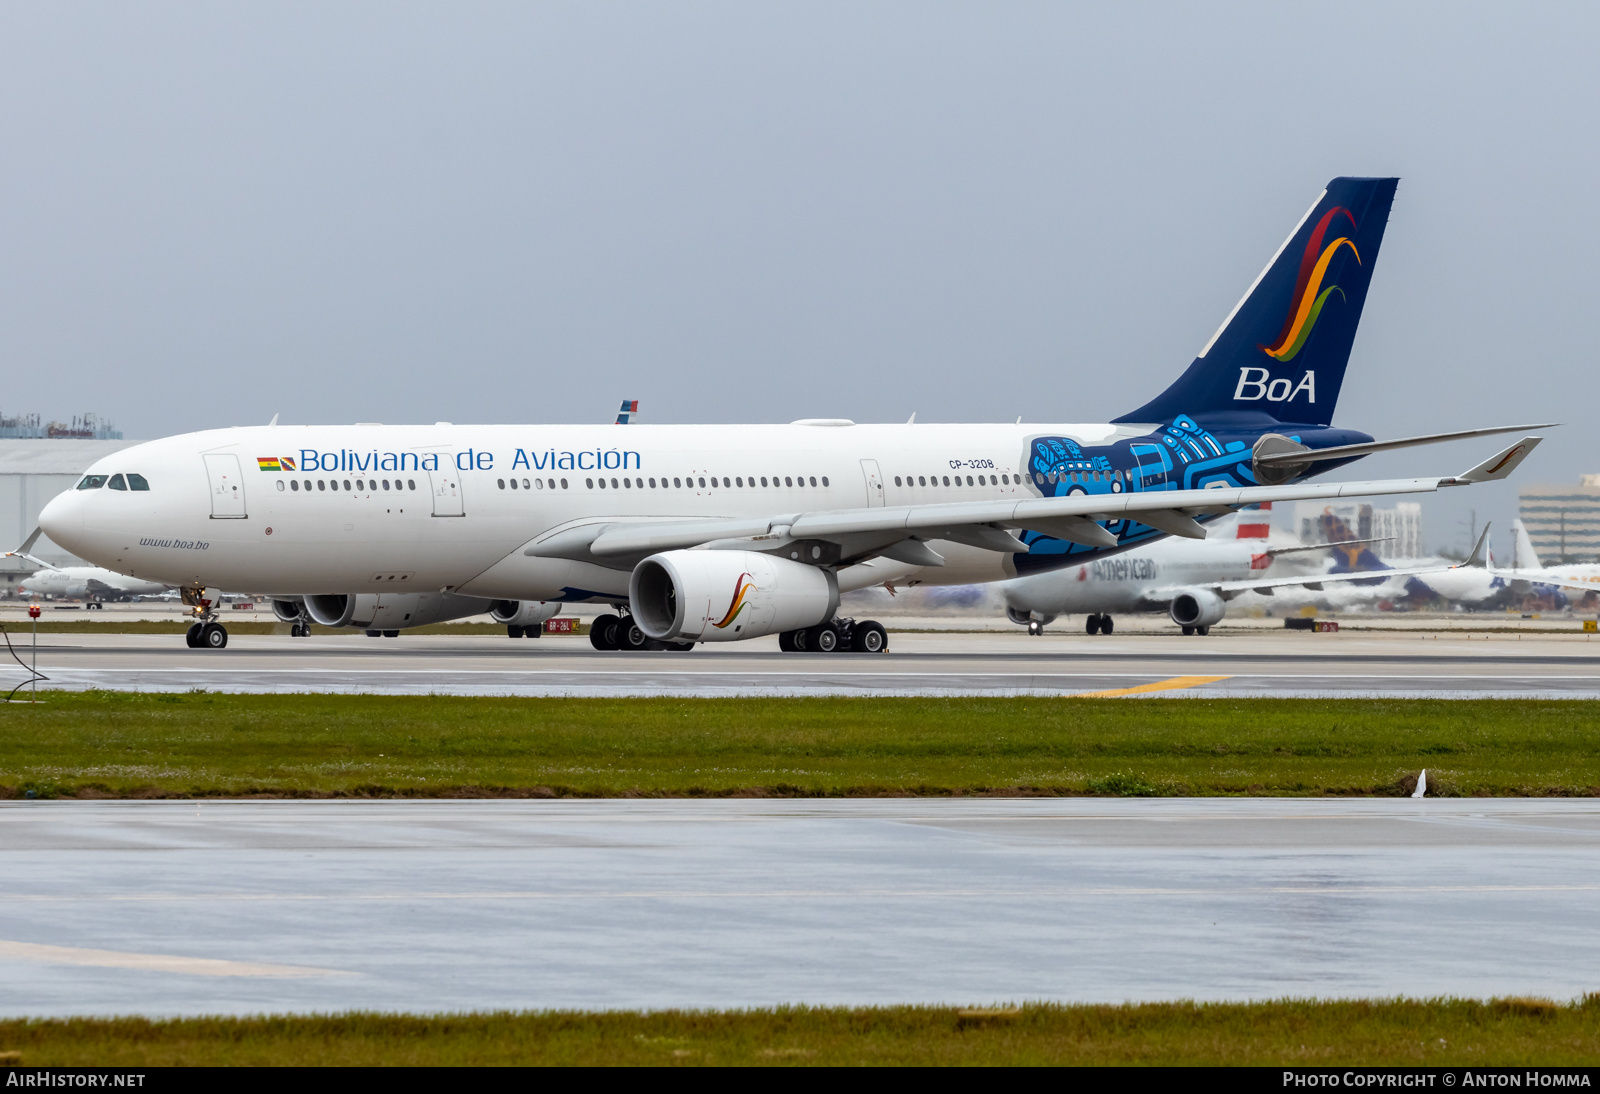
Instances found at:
x=1191 y=582
x=712 y=533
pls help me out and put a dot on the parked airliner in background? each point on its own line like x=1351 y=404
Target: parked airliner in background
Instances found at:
x=1581 y=577
x=711 y=533
x=1191 y=582
x=92 y=584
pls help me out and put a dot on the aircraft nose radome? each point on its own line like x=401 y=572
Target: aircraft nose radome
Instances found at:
x=62 y=521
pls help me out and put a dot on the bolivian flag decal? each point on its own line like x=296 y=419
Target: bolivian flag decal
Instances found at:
x=275 y=463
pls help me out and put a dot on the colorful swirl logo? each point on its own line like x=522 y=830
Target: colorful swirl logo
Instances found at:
x=1309 y=295
x=741 y=589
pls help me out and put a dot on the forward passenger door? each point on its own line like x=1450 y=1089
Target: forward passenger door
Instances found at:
x=227 y=486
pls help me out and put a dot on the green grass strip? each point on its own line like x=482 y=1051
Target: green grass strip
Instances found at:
x=1436 y=1033
x=98 y=744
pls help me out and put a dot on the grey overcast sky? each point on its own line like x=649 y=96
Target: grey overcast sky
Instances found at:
x=212 y=213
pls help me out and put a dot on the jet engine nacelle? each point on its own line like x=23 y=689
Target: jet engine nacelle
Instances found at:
x=724 y=596
x=523 y=613
x=287 y=610
x=390 y=611
x=1197 y=608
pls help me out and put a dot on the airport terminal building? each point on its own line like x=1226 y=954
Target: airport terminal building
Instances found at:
x=1563 y=521
x=32 y=471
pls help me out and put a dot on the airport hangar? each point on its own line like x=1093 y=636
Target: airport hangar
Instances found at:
x=32 y=471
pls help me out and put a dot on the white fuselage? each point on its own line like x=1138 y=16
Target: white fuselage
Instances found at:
x=86 y=582
x=1144 y=579
x=427 y=508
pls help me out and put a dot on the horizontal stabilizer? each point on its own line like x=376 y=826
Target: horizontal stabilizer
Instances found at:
x=1347 y=451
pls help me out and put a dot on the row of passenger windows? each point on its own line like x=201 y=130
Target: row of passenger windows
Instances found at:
x=955 y=480
x=361 y=484
x=536 y=484
x=629 y=483
x=1008 y=480
x=114 y=482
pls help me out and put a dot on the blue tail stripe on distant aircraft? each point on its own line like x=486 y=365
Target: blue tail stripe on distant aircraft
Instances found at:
x=1281 y=355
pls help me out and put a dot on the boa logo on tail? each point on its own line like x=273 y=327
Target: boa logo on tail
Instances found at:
x=1309 y=295
x=741 y=590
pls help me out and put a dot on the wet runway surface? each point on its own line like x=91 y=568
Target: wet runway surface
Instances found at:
x=247 y=907
x=1260 y=664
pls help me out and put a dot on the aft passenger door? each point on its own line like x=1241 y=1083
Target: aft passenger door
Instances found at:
x=227 y=486
x=447 y=500
x=869 y=469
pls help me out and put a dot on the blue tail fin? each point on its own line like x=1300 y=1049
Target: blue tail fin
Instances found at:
x=1355 y=558
x=1283 y=350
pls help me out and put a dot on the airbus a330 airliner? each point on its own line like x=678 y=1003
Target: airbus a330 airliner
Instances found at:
x=720 y=533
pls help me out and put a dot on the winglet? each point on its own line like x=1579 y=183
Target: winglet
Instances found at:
x=1498 y=466
x=27 y=545
x=1476 y=558
x=273 y=422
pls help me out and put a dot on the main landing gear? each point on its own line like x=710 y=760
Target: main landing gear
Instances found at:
x=1201 y=631
x=612 y=632
x=837 y=636
x=1098 y=624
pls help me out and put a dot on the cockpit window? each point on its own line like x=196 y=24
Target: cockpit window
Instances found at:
x=117 y=483
x=137 y=482
x=92 y=482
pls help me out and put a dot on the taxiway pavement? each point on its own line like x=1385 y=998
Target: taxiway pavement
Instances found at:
x=248 y=907
x=1282 y=664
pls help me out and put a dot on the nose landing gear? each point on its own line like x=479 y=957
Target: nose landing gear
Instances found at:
x=205 y=633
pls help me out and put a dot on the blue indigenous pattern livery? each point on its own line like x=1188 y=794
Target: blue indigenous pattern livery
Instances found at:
x=1182 y=455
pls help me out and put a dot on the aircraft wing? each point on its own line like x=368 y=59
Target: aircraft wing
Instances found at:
x=27 y=545
x=1315 y=581
x=985 y=524
x=1588 y=585
x=1311 y=581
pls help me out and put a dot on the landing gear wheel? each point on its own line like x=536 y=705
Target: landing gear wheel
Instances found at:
x=513 y=630
x=374 y=634
x=801 y=639
x=213 y=636
x=869 y=637
x=391 y=634
x=192 y=637
x=1092 y=624
x=633 y=639
x=1105 y=624
x=604 y=633
x=1034 y=629
x=1187 y=631
x=824 y=638
x=1202 y=631
x=786 y=641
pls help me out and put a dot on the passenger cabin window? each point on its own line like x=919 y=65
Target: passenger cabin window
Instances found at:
x=117 y=483
x=92 y=482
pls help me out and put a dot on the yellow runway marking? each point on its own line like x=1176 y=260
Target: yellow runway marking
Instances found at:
x=150 y=962
x=1173 y=684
